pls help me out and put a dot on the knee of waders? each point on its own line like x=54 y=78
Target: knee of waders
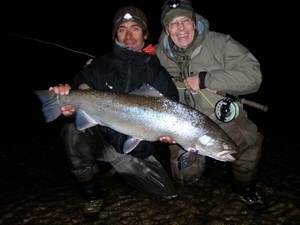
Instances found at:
x=147 y=176
x=186 y=171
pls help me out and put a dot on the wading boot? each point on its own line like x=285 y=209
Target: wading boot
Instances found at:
x=93 y=196
x=250 y=196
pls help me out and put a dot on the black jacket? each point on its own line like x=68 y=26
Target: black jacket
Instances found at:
x=124 y=70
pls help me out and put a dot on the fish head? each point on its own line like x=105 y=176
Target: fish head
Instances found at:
x=216 y=145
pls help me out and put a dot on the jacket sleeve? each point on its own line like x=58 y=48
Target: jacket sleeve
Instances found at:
x=236 y=71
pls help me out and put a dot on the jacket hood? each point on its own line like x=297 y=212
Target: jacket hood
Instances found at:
x=202 y=26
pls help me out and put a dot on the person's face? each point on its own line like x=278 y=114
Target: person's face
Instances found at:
x=130 y=34
x=181 y=30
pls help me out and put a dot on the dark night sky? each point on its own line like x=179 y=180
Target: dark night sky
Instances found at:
x=267 y=27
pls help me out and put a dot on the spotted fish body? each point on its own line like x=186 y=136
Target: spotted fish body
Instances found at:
x=143 y=117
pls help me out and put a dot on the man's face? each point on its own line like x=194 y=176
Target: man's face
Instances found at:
x=181 y=30
x=130 y=34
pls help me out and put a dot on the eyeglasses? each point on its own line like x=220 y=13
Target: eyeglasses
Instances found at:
x=173 y=4
x=185 y=22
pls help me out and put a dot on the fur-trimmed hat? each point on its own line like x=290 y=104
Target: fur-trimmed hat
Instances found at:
x=175 y=8
x=130 y=13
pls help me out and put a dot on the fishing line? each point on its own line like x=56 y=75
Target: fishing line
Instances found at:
x=202 y=96
x=225 y=109
x=49 y=43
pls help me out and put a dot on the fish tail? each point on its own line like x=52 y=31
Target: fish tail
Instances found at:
x=50 y=104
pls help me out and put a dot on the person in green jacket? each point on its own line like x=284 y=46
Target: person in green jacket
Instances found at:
x=203 y=64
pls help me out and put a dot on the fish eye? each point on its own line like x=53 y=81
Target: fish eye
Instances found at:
x=225 y=146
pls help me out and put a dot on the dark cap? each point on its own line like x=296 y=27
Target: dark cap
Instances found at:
x=130 y=13
x=175 y=8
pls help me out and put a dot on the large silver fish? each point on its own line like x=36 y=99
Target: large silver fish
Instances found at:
x=142 y=116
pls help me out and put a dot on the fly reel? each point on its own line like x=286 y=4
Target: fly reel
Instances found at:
x=226 y=110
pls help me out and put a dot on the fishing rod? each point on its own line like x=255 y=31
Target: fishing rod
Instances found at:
x=253 y=104
x=226 y=109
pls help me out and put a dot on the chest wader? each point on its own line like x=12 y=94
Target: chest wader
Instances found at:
x=192 y=173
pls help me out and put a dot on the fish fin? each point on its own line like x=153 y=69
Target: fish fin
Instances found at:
x=83 y=120
x=186 y=159
x=130 y=144
x=50 y=107
x=146 y=90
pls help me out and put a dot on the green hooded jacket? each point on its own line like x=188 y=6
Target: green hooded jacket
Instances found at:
x=229 y=66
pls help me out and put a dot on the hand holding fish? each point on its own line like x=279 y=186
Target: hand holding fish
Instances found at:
x=66 y=110
x=166 y=140
x=61 y=89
